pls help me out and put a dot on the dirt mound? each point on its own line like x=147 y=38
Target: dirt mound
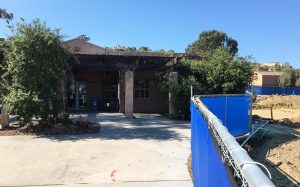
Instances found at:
x=277 y=146
x=290 y=101
x=278 y=150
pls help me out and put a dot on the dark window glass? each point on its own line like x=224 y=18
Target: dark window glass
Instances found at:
x=137 y=94
x=147 y=84
x=142 y=95
x=136 y=83
x=142 y=84
x=146 y=93
x=142 y=89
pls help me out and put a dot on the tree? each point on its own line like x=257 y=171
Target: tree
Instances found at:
x=263 y=68
x=219 y=74
x=34 y=69
x=144 y=49
x=170 y=52
x=84 y=37
x=288 y=78
x=123 y=48
x=141 y=49
x=6 y=15
x=131 y=49
x=297 y=84
x=216 y=69
x=209 y=41
x=159 y=51
x=286 y=67
x=3 y=45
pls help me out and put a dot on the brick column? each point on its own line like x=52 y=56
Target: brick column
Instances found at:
x=173 y=79
x=129 y=86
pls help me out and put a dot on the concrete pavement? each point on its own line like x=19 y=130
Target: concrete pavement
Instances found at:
x=150 y=150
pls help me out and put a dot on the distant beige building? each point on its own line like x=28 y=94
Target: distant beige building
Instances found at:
x=272 y=66
x=266 y=78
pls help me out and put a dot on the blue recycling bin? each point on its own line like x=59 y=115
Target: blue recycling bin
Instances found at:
x=95 y=104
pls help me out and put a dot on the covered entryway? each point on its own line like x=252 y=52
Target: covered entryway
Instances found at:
x=117 y=81
x=93 y=90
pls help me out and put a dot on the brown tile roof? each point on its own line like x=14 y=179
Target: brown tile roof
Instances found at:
x=79 y=46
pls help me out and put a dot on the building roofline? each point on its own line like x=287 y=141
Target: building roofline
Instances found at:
x=269 y=72
x=108 y=51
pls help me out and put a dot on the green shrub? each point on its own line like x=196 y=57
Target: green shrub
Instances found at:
x=222 y=73
x=34 y=67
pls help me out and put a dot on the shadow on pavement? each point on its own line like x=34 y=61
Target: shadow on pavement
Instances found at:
x=115 y=126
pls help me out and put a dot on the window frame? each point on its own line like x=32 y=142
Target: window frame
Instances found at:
x=142 y=89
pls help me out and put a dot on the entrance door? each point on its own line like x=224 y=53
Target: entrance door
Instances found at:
x=110 y=101
x=77 y=95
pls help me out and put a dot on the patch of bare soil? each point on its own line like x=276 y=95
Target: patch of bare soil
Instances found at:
x=278 y=145
x=189 y=165
x=79 y=127
x=290 y=101
x=286 y=109
x=286 y=116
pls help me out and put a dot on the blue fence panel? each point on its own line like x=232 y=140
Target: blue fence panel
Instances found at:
x=207 y=166
x=217 y=105
x=277 y=90
x=297 y=91
x=270 y=90
x=289 y=91
x=232 y=111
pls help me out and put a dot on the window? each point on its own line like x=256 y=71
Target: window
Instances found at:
x=142 y=89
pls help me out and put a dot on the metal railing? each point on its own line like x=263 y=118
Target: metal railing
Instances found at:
x=233 y=155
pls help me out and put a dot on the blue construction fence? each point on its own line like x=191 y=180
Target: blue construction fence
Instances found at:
x=273 y=90
x=207 y=166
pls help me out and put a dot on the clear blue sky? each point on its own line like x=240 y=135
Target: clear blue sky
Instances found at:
x=267 y=29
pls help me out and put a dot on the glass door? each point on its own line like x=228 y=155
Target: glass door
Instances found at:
x=77 y=95
x=82 y=104
x=111 y=102
x=71 y=95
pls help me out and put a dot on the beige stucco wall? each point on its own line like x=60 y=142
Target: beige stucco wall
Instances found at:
x=257 y=80
x=266 y=78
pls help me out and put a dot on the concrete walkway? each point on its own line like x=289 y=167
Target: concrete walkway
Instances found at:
x=147 y=151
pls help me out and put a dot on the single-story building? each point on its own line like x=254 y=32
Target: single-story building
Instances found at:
x=113 y=81
x=266 y=78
